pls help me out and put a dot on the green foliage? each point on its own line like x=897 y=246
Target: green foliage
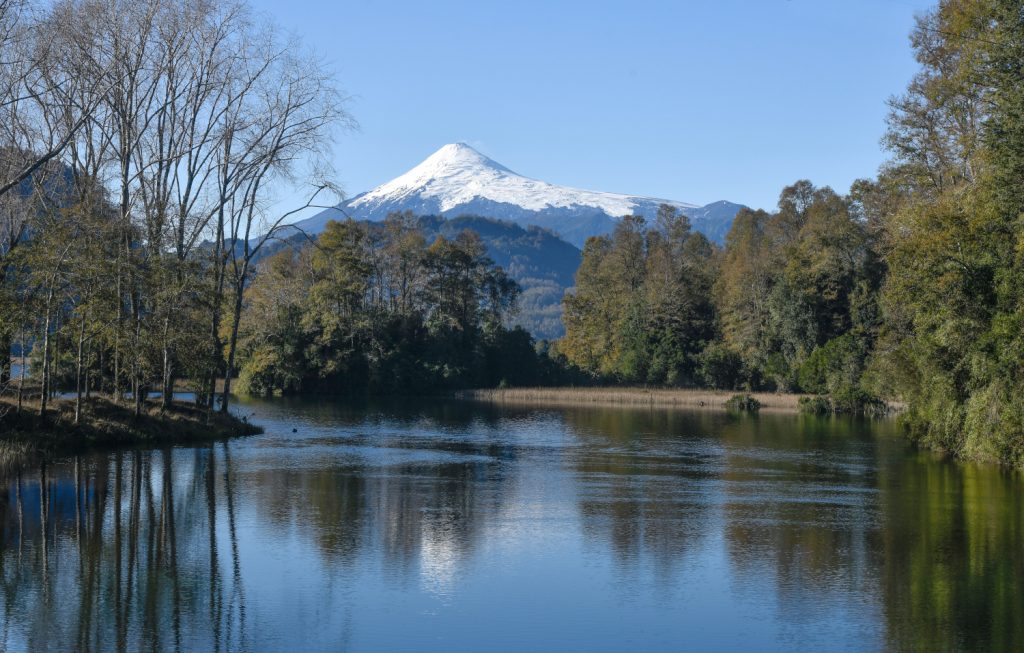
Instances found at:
x=720 y=367
x=952 y=300
x=541 y=263
x=848 y=401
x=257 y=376
x=793 y=281
x=642 y=310
x=835 y=367
x=743 y=403
x=375 y=309
x=790 y=304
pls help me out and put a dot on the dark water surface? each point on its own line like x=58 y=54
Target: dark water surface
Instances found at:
x=460 y=527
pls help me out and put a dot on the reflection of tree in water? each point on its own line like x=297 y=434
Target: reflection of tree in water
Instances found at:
x=424 y=515
x=645 y=476
x=800 y=508
x=950 y=556
x=830 y=508
x=405 y=412
x=117 y=553
x=428 y=514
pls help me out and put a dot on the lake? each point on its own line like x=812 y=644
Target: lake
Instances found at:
x=449 y=526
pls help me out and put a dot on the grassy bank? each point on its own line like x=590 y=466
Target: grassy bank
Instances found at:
x=105 y=424
x=667 y=397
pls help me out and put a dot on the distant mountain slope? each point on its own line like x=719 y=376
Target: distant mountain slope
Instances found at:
x=458 y=180
x=543 y=264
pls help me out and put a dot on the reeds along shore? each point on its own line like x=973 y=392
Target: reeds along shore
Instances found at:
x=665 y=397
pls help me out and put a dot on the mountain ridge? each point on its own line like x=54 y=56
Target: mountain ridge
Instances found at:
x=459 y=180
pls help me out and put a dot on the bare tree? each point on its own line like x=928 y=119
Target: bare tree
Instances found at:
x=40 y=99
x=282 y=132
x=170 y=128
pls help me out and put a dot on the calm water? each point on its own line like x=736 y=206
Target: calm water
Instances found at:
x=454 y=527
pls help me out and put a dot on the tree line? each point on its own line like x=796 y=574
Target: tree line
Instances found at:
x=143 y=145
x=790 y=303
x=375 y=307
x=910 y=286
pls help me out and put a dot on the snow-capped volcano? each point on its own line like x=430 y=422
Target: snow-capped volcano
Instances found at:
x=458 y=180
x=457 y=175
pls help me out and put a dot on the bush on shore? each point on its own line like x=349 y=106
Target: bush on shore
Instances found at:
x=850 y=401
x=743 y=403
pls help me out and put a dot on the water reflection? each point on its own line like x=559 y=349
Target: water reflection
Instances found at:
x=460 y=527
x=951 y=568
x=120 y=552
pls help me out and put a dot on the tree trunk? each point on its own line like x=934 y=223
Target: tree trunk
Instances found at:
x=217 y=353
x=55 y=354
x=24 y=365
x=167 y=394
x=136 y=396
x=5 y=358
x=137 y=384
x=88 y=379
x=236 y=317
x=116 y=388
x=78 y=372
x=45 y=388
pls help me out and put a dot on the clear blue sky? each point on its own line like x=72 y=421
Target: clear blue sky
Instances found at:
x=685 y=100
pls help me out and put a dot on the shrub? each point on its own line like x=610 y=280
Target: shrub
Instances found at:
x=817 y=405
x=743 y=403
x=848 y=401
x=264 y=373
x=857 y=401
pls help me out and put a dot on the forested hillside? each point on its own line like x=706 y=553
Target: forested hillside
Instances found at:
x=539 y=261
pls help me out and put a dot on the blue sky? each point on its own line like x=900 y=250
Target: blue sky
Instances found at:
x=685 y=100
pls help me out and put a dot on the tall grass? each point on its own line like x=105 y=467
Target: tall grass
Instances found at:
x=710 y=399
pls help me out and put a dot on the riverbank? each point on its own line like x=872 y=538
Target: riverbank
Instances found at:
x=654 y=397
x=105 y=424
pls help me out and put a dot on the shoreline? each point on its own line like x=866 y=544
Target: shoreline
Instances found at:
x=105 y=424
x=638 y=397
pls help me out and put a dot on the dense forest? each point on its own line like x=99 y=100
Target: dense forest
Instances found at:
x=145 y=145
x=376 y=307
x=911 y=286
x=790 y=303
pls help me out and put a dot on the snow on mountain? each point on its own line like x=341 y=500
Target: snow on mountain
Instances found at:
x=458 y=180
x=457 y=174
